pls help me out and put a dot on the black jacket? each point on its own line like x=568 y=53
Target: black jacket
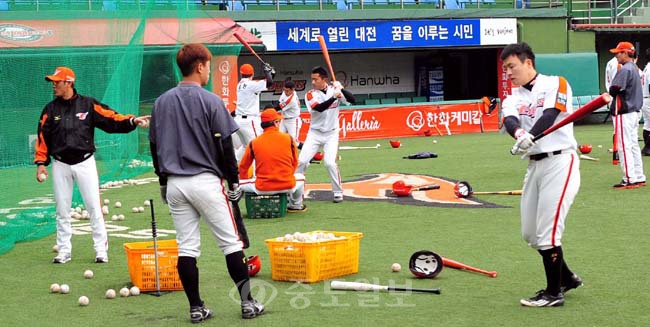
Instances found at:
x=66 y=129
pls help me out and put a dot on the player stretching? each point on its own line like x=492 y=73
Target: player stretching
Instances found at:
x=323 y=104
x=553 y=175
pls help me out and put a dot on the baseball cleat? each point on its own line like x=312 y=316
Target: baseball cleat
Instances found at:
x=198 y=314
x=575 y=283
x=642 y=183
x=101 y=260
x=543 y=299
x=251 y=309
x=302 y=208
x=62 y=258
x=624 y=185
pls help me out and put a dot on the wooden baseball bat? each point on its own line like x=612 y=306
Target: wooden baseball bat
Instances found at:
x=586 y=157
x=459 y=265
x=588 y=108
x=513 y=192
x=248 y=46
x=326 y=55
x=363 y=287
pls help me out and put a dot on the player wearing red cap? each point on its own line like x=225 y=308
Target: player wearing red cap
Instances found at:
x=247 y=113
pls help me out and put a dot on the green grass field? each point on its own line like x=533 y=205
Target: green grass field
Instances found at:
x=606 y=242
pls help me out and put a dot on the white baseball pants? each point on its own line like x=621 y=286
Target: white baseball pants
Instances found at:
x=295 y=194
x=203 y=195
x=249 y=128
x=646 y=113
x=291 y=126
x=629 y=152
x=63 y=178
x=550 y=186
x=330 y=143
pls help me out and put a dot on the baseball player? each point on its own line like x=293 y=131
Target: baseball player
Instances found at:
x=645 y=110
x=553 y=175
x=610 y=71
x=66 y=133
x=289 y=103
x=276 y=160
x=247 y=113
x=192 y=169
x=628 y=96
x=323 y=104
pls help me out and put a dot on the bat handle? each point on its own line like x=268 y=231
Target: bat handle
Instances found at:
x=421 y=290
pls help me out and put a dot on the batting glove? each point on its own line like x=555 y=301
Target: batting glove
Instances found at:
x=269 y=68
x=235 y=194
x=163 y=193
x=337 y=85
x=524 y=140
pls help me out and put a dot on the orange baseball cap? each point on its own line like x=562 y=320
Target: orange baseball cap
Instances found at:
x=61 y=74
x=623 y=47
x=270 y=115
x=246 y=69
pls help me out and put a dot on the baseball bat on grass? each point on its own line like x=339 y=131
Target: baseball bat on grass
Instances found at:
x=363 y=287
x=459 y=265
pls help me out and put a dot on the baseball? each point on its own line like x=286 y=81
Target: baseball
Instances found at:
x=435 y=141
x=124 y=292
x=120 y=217
x=55 y=288
x=135 y=291
x=147 y=203
x=110 y=293
x=140 y=209
x=42 y=177
x=600 y=145
x=83 y=301
x=88 y=274
x=118 y=204
x=115 y=217
x=65 y=289
x=55 y=248
x=135 y=209
x=105 y=210
x=107 y=201
x=396 y=267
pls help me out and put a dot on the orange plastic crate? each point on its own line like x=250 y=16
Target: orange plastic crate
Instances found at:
x=142 y=265
x=311 y=262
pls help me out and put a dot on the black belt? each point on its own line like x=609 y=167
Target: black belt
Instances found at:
x=540 y=156
x=244 y=116
x=72 y=158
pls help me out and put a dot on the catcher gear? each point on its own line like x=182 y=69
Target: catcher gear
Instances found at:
x=462 y=189
x=254 y=265
x=425 y=264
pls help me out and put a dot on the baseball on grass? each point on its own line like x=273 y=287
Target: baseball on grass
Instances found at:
x=135 y=291
x=107 y=201
x=55 y=248
x=118 y=204
x=42 y=177
x=55 y=288
x=435 y=141
x=396 y=267
x=110 y=293
x=124 y=292
x=65 y=289
x=88 y=274
x=83 y=301
x=147 y=203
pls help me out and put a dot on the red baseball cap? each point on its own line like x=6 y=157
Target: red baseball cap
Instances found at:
x=270 y=115
x=246 y=69
x=61 y=74
x=623 y=47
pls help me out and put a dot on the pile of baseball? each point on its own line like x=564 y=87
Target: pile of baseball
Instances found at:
x=309 y=237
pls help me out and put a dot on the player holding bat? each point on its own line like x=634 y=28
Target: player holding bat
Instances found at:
x=553 y=178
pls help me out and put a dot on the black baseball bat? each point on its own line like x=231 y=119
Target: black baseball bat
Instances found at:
x=239 y=221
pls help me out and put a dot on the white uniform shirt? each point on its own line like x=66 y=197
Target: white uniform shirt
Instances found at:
x=327 y=120
x=610 y=72
x=248 y=96
x=290 y=105
x=645 y=81
x=528 y=107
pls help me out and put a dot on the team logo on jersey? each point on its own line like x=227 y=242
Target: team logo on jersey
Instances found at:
x=82 y=115
x=56 y=118
x=561 y=98
x=378 y=187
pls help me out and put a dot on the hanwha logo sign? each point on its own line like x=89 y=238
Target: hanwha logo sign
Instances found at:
x=22 y=33
x=224 y=67
x=379 y=187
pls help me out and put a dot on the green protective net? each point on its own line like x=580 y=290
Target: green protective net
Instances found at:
x=124 y=73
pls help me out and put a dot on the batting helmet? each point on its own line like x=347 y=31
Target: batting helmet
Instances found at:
x=585 y=148
x=318 y=156
x=462 y=189
x=254 y=265
x=425 y=264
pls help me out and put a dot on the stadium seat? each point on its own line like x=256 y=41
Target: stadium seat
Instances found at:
x=452 y=4
x=4 y=6
x=387 y=101
x=341 y=5
x=376 y=95
x=419 y=99
x=109 y=5
x=372 y=101
x=404 y=100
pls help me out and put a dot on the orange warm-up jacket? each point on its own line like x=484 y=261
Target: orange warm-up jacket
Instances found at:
x=276 y=160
